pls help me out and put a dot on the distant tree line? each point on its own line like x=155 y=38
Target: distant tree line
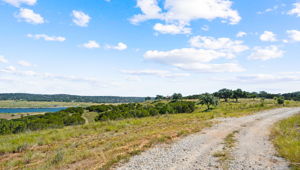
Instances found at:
x=67 y=117
x=227 y=94
x=136 y=110
x=69 y=98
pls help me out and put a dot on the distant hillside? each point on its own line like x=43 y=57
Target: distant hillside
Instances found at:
x=69 y=98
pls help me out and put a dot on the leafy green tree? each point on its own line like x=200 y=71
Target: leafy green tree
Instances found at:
x=159 y=97
x=280 y=100
x=252 y=95
x=176 y=96
x=224 y=94
x=147 y=98
x=208 y=100
x=238 y=93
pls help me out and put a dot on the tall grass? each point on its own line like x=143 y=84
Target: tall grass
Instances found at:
x=286 y=137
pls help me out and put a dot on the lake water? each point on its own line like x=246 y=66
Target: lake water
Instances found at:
x=30 y=110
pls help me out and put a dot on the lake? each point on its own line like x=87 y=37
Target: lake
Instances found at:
x=30 y=110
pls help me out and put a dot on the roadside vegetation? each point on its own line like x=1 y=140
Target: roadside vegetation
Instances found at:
x=101 y=136
x=286 y=138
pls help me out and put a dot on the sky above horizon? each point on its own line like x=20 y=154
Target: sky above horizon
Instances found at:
x=148 y=47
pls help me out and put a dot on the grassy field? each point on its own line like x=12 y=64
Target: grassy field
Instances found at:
x=103 y=144
x=31 y=104
x=286 y=138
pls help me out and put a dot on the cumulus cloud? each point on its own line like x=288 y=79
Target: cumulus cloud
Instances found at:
x=183 y=55
x=46 y=37
x=268 y=36
x=225 y=45
x=203 y=51
x=241 y=34
x=3 y=59
x=171 y=29
x=295 y=10
x=160 y=73
x=30 y=16
x=294 y=35
x=24 y=63
x=266 y=53
x=91 y=44
x=179 y=12
x=18 y=3
x=120 y=46
x=80 y=18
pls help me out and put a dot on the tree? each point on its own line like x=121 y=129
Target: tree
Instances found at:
x=208 y=100
x=280 y=100
x=252 y=95
x=238 y=93
x=147 y=98
x=224 y=94
x=176 y=96
x=159 y=97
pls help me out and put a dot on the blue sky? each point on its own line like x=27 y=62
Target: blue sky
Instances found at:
x=148 y=47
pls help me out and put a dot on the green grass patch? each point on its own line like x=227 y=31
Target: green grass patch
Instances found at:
x=286 y=138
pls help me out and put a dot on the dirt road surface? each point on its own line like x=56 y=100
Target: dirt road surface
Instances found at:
x=252 y=148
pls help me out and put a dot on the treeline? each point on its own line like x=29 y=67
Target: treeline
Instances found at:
x=69 y=98
x=227 y=94
x=67 y=117
x=136 y=110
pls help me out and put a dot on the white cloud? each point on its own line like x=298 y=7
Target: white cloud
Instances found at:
x=294 y=35
x=204 y=50
x=179 y=12
x=25 y=63
x=268 y=36
x=80 y=18
x=193 y=60
x=150 y=10
x=9 y=69
x=3 y=59
x=241 y=34
x=30 y=16
x=184 y=55
x=274 y=8
x=171 y=29
x=120 y=46
x=266 y=53
x=46 y=37
x=91 y=44
x=211 y=68
x=268 y=78
x=18 y=3
x=295 y=10
x=225 y=45
x=160 y=73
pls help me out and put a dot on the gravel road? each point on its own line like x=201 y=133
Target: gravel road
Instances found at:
x=252 y=149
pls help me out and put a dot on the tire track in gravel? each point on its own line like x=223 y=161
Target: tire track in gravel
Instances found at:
x=252 y=151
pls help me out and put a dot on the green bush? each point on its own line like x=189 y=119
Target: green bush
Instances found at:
x=67 y=117
x=111 y=112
